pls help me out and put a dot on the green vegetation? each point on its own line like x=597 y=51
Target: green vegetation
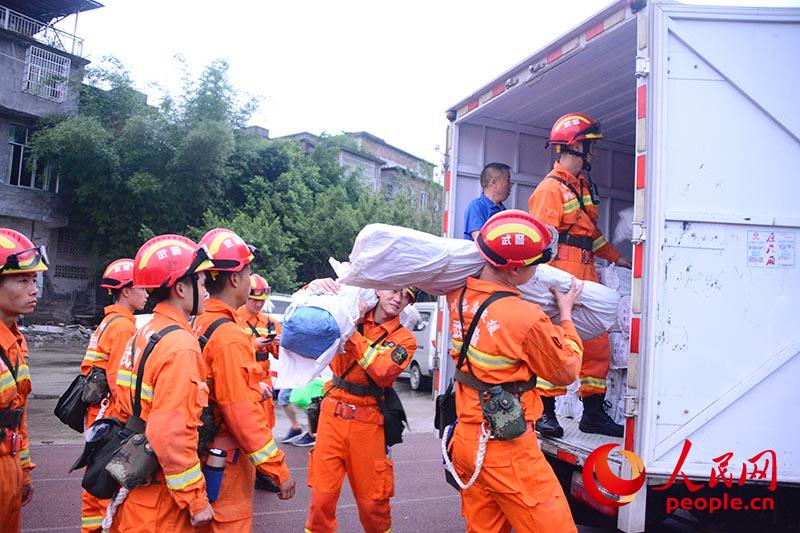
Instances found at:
x=132 y=171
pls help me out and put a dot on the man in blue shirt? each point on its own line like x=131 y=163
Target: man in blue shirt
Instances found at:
x=496 y=185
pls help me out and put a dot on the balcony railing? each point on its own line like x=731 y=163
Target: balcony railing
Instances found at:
x=39 y=31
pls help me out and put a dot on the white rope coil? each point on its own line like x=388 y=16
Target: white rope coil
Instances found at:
x=484 y=438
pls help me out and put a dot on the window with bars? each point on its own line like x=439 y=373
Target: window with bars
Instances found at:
x=22 y=168
x=70 y=244
x=71 y=272
x=46 y=74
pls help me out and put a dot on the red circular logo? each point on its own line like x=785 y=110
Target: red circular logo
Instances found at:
x=597 y=465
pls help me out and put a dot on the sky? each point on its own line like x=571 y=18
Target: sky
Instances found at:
x=391 y=68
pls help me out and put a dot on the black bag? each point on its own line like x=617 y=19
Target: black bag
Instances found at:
x=394 y=416
x=446 y=402
x=107 y=436
x=71 y=409
x=313 y=413
x=97 y=480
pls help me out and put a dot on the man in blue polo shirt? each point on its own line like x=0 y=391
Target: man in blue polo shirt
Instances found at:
x=496 y=185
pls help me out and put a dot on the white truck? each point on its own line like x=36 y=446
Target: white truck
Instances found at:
x=694 y=102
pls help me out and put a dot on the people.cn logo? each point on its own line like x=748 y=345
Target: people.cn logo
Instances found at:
x=596 y=465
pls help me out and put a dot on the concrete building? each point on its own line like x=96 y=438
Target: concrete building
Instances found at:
x=386 y=168
x=42 y=68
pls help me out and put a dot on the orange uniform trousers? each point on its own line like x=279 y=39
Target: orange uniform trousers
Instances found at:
x=93 y=509
x=356 y=448
x=233 y=509
x=151 y=509
x=10 y=491
x=515 y=489
x=597 y=351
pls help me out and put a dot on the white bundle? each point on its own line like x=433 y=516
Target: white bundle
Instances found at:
x=616 y=385
x=393 y=257
x=624 y=228
x=570 y=405
x=620 y=349
x=294 y=370
x=620 y=280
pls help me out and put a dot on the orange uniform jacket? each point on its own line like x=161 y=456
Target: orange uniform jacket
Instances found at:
x=384 y=363
x=553 y=203
x=107 y=345
x=174 y=393
x=264 y=326
x=235 y=391
x=14 y=470
x=513 y=341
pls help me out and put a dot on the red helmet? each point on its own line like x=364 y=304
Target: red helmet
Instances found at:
x=574 y=127
x=118 y=274
x=259 y=288
x=228 y=251
x=18 y=255
x=514 y=238
x=163 y=260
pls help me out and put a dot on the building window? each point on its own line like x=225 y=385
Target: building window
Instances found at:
x=22 y=168
x=423 y=201
x=71 y=272
x=70 y=244
x=368 y=169
x=46 y=74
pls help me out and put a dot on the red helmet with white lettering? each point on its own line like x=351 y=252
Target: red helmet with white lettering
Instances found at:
x=165 y=259
x=259 y=288
x=514 y=238
x=118 y=274
x=574 y=127
x=18 y=255
x=228 y=251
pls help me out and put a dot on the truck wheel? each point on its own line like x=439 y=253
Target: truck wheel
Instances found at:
x=415 y=377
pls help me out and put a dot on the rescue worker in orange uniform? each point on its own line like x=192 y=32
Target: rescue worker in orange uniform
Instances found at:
x=20 y=260
x=350 y=437
x=513 y=342
x=235 y=378
x=266 y=336
x=174 y=389
x=567 y=200
x=104 y=352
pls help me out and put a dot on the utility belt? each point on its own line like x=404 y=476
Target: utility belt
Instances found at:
x=10 y=443
x=371 y=414
x=355 y=388
x=10 y=418
x=514 y=387
x=582 y=243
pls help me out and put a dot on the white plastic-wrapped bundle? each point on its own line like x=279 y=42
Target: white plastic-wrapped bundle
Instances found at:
x=624 y=229
x=620 y=349
x=616 y=384
x=570 y=405
x=392 y=257
x=620 y=280
x=307 y=356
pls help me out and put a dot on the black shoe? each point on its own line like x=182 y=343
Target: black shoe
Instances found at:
x=265 y=483
x=596 y=420
x=548 y=425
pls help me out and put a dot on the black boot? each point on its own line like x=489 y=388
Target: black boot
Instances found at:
x=596 y=420
x=548 y=426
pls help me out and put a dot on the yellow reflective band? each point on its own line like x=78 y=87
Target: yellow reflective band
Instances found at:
x=92 y=356
x=571 y=206
x=23 y=372
x=593 y=382
x=185 y=478
x=575 y=346
x=125 y=378
x=371 y=354
x=24 y=457
x=6 y=381
x=487 y=360
x=587 y=199
x=91 y=521
x=147 y=392
x=505 y=229
x=263 y=455
x=598 y=243
x=546 y=385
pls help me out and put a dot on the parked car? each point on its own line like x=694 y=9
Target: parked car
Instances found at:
x=420 y=371
x=277 y=305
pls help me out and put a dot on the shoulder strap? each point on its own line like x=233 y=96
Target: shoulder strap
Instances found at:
x=571 y=188
x=205 y=337
x=462 y=356
x=110 y=320
x=154 y=338
x=11 y=368
x=373 y=345
x=252 y=328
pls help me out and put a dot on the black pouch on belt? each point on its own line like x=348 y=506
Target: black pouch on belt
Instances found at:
x=103 y=439
x=313 y=413
x=134 y=463
x=503 y=413
x=96 y=387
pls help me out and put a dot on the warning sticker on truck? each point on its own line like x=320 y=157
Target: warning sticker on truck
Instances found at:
x=771 y=249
